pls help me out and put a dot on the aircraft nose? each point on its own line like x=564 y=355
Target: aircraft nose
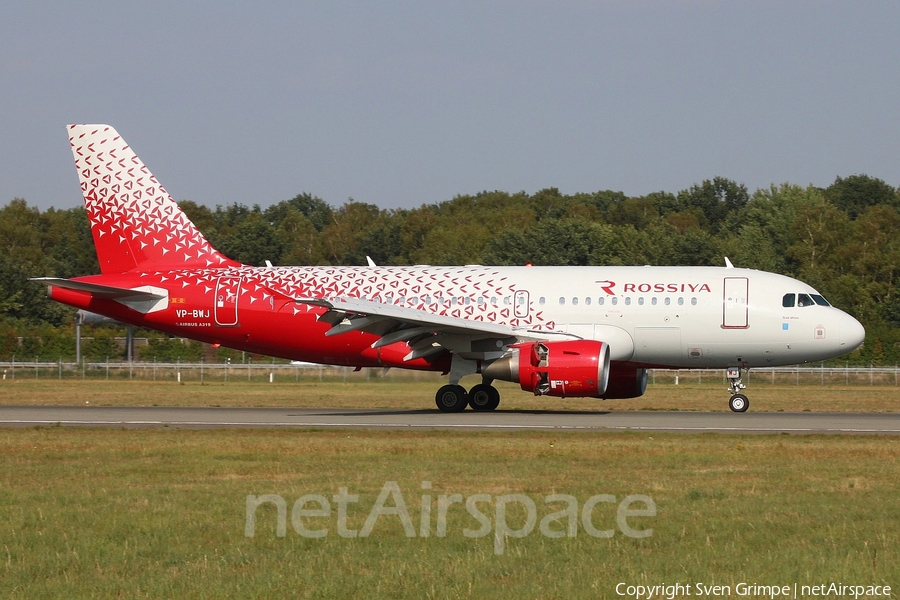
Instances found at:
x=852 y=333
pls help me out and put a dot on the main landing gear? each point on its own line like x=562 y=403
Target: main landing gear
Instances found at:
x=738 y=402
x=453 y=398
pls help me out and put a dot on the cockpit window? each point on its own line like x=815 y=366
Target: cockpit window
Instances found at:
x=820 y=300
x=791 y=300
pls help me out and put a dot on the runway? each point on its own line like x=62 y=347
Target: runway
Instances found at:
x=542 y=420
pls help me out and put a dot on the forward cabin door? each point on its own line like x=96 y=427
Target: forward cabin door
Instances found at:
x=225 y=309
x=736 y=307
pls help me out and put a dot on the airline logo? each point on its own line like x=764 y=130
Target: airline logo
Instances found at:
x=644 y=288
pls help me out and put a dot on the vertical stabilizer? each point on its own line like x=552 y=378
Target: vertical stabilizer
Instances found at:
x=135 y=223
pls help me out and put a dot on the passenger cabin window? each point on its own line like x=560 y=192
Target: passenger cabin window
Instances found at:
x=788 y=301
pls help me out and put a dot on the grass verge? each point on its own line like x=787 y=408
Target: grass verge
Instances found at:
x=162 y=513
x=386 y=393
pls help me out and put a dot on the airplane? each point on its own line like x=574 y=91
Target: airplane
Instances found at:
x=556 y=331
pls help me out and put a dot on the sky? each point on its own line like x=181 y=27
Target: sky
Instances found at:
x=401 y=104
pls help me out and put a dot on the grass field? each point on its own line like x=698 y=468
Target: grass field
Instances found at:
x=162 y=513
x=386 y=393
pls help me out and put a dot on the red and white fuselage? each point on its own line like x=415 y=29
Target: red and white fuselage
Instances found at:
x=557 y=330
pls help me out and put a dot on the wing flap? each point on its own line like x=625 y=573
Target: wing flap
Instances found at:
x=425 y=333
x=411 y=316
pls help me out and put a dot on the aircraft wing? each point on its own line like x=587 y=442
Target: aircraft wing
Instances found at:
x=426 y=333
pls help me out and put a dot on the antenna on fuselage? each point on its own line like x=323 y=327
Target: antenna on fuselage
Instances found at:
x=370 y=261
x=728 y=264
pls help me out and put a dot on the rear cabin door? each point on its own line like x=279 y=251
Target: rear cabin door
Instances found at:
x=228 y=289
x=735 y=305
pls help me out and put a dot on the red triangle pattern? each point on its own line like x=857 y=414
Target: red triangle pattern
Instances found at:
x=122 y=197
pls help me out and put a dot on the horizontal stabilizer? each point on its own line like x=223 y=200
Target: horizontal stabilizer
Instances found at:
x=144 y=299
x=100 y=291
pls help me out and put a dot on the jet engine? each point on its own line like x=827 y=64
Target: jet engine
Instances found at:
x=567 y=368
x=626 y=382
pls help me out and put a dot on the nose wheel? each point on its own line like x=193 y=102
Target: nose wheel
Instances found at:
x=738 y=402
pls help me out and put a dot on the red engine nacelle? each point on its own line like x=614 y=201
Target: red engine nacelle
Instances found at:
x=569 y=368
x=626 y=382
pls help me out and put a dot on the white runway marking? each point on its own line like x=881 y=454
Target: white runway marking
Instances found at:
x=435 y=425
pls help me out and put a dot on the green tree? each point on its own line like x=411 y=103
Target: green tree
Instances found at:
x=314 y=209
x=253 y=241
x=299 y=240
x=715 y=200
x=550 y=242
x=855 y=193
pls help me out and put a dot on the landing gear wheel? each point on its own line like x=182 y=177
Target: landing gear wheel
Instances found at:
x=739 y=403
x=484 y=397
x=451 y=398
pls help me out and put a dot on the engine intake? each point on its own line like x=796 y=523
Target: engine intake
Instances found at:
x=569 y=368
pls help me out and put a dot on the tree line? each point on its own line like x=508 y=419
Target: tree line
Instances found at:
x=844 y=240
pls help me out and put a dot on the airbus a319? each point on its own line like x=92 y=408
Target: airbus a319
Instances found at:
x=556 y=331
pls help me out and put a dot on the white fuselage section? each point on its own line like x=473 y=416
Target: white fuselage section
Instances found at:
x=682 y=317
x=703 y=317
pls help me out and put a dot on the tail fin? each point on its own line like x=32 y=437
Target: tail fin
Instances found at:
x=135 y=223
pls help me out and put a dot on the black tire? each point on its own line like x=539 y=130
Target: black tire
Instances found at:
x=484 y=397
x=451 y=398
x=739 y=403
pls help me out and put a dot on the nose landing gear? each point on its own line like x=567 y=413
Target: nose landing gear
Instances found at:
x=738 y=402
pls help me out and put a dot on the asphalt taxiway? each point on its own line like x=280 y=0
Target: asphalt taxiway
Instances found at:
x=541 y=420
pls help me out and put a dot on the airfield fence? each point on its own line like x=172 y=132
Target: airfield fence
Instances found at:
x=292 y=372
